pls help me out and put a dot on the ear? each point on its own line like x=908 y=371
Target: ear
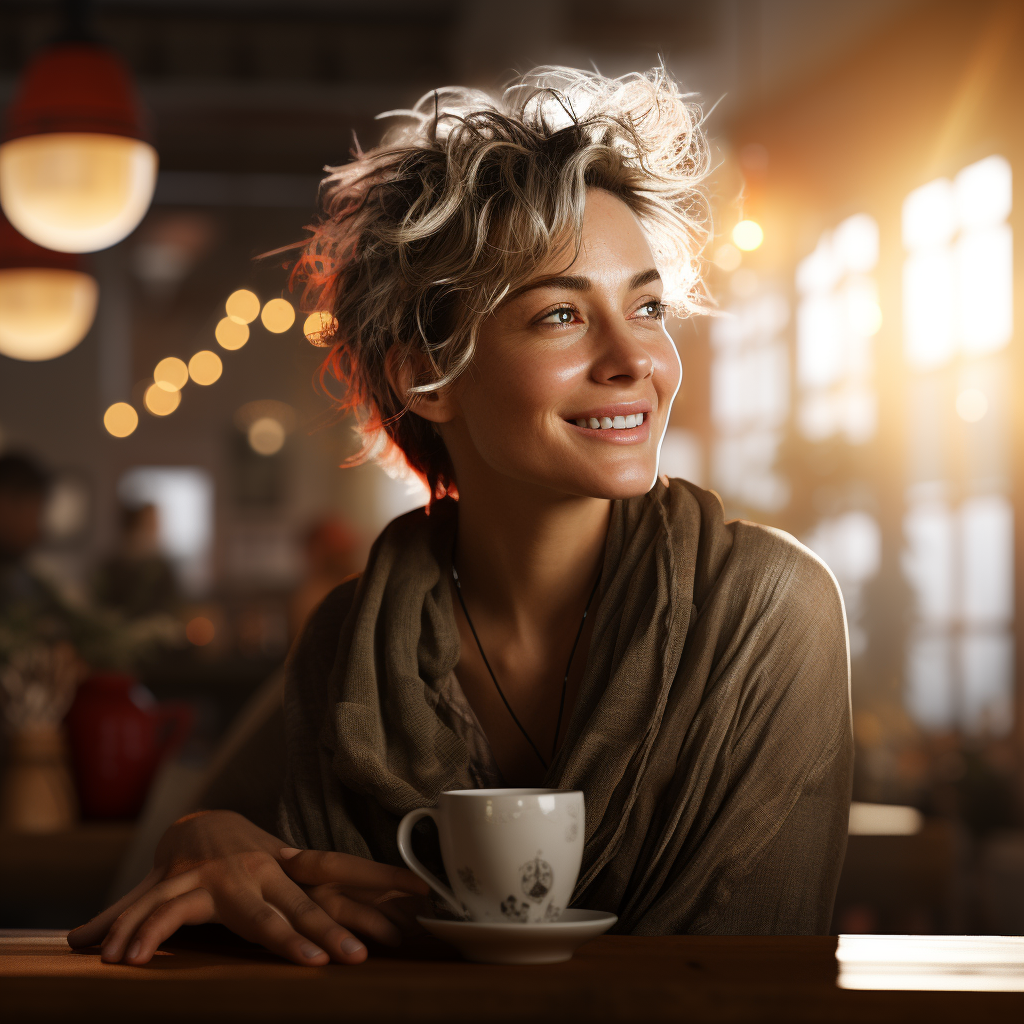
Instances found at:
x=403 y=367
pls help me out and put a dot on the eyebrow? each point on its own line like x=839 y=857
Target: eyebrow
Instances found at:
x=578 y=283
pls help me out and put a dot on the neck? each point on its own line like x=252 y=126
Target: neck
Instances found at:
x=529 y=557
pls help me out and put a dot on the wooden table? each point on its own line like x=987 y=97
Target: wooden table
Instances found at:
x=205 y=974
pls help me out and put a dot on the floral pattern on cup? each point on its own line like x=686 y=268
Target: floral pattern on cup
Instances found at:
x=552 y=913
x=515 y=911
x=535 y=878
x=468 y=879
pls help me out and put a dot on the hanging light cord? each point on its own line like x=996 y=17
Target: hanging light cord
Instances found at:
x=497 y=686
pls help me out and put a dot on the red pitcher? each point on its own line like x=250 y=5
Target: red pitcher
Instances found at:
x=118 y=736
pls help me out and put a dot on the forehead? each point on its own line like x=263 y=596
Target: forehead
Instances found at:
x=612 y=240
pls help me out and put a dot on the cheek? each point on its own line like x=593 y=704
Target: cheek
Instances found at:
x=530 y=384
x=668 y=372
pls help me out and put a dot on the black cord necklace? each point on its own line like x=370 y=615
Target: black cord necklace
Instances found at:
x=501 y=693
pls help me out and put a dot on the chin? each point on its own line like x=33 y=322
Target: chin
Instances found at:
x=622 y=483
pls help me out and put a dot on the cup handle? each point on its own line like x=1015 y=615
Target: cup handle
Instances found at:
x=405 y=849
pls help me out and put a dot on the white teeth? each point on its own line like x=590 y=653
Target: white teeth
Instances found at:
x=639 y=419
x=619 y=423
x=606 y=422
x=581 y=423
x=595 y=424
x=630 y=421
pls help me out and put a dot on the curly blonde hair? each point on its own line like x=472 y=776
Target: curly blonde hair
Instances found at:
x=421 y=238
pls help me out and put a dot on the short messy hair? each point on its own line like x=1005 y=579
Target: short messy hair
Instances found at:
x=421 y=238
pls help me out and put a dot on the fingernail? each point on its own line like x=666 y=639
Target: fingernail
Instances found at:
x=311 y=951
x=288 y=852
x=351 y=945
x=133 y=950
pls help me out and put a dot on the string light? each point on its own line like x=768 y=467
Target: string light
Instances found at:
x=278 y=315
x=120 y=419
x=319 y=326
x=205 y=367
x=159 y=401
x=243 y=306
x=231 y=334
x=171 y=374
x=748 y=235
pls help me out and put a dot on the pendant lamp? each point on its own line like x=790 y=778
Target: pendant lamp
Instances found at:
x=76 y=174
x=47 y=302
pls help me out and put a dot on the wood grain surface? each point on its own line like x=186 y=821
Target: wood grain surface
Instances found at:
x=206 y=974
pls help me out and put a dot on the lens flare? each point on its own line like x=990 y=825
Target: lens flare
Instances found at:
x=748 y=235
x=266 y=436
x=319 y=326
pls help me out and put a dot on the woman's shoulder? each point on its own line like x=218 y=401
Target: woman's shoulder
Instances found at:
x=771 y=566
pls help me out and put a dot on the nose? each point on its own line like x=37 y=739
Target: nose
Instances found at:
x=622 y=357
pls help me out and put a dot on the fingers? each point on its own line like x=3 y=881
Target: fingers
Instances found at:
x=361 y=917
x=257 y=920
x=123 y=930
x=318 y=867
x=194 y=907
x=93 y=932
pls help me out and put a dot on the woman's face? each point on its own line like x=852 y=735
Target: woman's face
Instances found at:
x=574 y=375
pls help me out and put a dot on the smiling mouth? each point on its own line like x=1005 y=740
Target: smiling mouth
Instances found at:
x=612 y=422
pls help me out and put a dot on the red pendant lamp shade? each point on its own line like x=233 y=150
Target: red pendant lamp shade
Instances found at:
x=76 y=87
x=76 y=171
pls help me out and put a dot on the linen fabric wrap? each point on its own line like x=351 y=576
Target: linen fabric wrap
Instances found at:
x=711 y=738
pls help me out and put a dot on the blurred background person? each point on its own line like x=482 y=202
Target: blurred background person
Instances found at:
x=137 y=579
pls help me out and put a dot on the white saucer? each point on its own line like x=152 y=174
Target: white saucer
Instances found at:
x=521 y=943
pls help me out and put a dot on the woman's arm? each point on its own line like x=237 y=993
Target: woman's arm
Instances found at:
x=216 y=866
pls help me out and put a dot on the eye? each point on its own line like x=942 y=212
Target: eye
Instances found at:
x=653 y=310
x=562 y=316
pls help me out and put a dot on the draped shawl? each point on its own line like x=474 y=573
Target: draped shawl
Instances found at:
x=711 y=738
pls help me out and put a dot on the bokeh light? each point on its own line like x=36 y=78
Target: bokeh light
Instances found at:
x=319 y=326
x=200 y=631
x=266 y=436
x=728 y=257
x=278 y=315
x=205 y=367
x=231 y=334
x=120 y=419
x=748 y=235
x=160 y=402
x=971 y=405
x=171 y=374
x=243 y=306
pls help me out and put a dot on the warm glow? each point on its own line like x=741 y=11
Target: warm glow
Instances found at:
x=76 y=191
x=266 y=436
x=728 y=257
x=971 y=405
x=43 y=312
x=200 y=631
x=160 y=402
x=243 y=306
x=747 y=235
x=278 y=315
x=120 y=419
x=231 y=334
x=171 y=374
x=205 y=367
x=319 y=326
x=884 y=819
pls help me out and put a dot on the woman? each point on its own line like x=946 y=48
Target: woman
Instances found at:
x=499 y=275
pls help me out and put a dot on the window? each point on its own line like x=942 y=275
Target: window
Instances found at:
x=750 y=400
x=837 y=317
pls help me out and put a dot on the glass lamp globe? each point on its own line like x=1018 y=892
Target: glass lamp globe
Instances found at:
x=44 y=312
x=76 y=174
x=76 y=191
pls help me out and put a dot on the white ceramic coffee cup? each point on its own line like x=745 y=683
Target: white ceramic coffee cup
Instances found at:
x=512 y=855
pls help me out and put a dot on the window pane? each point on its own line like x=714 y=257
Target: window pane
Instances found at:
x=929 y=693
x=819 y=330
x=928 y=308
x=928 y=560
x=986 y=530
x=984 y=192
x=929 y=215
x=985 y=288
x=986 y=673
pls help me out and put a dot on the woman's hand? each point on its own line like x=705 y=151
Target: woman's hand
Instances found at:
x=216 y=866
